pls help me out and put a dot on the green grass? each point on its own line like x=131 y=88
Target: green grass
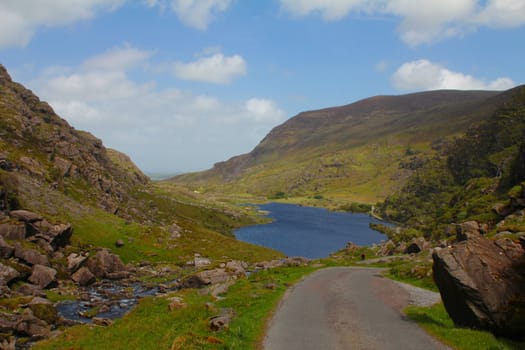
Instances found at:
x=436 y=321
x=152 y=326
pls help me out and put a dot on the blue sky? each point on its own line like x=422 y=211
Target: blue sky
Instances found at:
x=181 y=84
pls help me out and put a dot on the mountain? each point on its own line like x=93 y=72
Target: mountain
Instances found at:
x=362 y=152
x=48 y=166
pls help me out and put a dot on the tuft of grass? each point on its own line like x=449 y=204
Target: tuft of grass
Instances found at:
x=436 y=321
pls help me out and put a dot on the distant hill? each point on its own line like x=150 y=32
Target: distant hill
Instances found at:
x=51 y=167
x=363 y=151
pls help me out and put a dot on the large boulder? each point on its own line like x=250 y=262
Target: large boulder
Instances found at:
x=30 y=256
x=83 y=277
x=105 y=263
x=481 y=283
x=204 y=278
x=43 y=276
x=8 y=274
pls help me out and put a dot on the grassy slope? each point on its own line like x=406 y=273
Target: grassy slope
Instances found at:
x=348 y=153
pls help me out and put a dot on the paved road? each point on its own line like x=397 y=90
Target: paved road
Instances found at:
x=346 y=308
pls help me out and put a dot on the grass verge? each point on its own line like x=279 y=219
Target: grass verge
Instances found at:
x=436 y=321
x=152 y=326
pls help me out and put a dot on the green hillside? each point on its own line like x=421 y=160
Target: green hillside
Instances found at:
x=360 y=152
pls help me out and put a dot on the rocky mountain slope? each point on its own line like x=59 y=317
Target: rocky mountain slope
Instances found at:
x=44 y=161
x=363 y=151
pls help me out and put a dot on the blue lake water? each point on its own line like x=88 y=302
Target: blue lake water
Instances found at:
x=310 y=232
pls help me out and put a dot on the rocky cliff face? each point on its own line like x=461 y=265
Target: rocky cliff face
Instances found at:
x=41 y=153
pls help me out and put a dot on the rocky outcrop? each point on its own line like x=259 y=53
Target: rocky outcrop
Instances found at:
x=43 y=153
x=482 y=282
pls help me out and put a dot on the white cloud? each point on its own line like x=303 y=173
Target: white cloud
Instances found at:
x=194 y=13
x=426 y=75
x=422 y=21
x=19 y=19
x=156 y=126
x=381 y=66
x=118 y=58
x=217 y=69
x=263 y=110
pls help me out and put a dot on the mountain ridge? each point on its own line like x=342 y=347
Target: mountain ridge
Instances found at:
x=334 y=141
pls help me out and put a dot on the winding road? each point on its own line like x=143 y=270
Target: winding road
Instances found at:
x=348 y=308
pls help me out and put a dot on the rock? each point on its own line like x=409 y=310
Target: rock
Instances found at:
x=118 y=275
x=43 y=309
x=25 y=216
x=219 y=289
x=413 y=248
x=57 y=236
x=43 y=276
x=30 y=289
x=6 y=251
x=8 y=274
x=176 y=303
x=104 y=262
x=222 y=321
x=8 y=344
x=83 y=277
x=30 y=256
x=481 y=283
x=271 y=286
x=32 y=326
x=238 y=268
x=502 y=209
x=13 y=232
x=200 y=262
x=386 y=248
x=119 y=243
x=205 y=278
x=104 y=322
x=467 y=230
x=75 y=261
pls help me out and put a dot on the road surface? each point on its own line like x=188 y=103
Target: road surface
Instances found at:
x=346 y=308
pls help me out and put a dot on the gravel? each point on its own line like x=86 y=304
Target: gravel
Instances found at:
x=420 y=296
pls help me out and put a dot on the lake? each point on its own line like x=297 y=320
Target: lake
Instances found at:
x=310 y=232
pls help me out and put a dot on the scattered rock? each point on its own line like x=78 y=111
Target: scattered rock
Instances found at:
x=13 y=232
x=57 y=236
x=200 y=262
x=25 y=216
x=6 y=251
x=30 y=256
x=237 y=267
x=75 y=261
x=104 y=263
x=481 y=283
x=176 y=303
x=271 y=286
x=205 y=278
x=43 y=276
x=30 y=289
x=104 y=322
x=8 y=274
x=32 y=326
x=83 y=277
x=119 y=243
x=44 y=310
x=222 y=321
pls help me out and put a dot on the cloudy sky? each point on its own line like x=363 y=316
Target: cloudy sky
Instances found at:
x=181 y=84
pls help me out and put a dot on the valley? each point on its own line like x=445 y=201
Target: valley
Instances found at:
x=447 y=167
